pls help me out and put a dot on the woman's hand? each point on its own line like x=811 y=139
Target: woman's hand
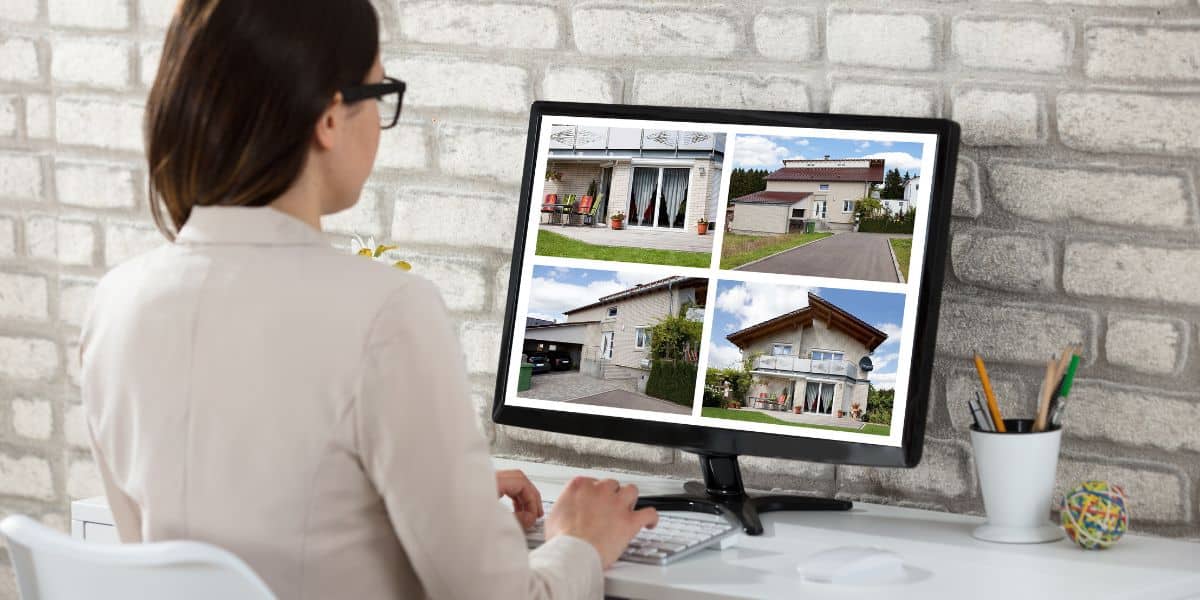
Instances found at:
x=526 y=500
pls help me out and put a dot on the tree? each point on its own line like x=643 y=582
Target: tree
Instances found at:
x=867 y=207
x=675 y=338
x=893 y=185
x=747 y=181
x=879 y=405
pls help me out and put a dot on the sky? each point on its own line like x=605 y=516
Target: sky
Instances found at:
x=767 y=152
x=742 y=304
x=556 y=289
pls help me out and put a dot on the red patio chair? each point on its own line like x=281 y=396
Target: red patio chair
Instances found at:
x=583 y=208
x=548 y=205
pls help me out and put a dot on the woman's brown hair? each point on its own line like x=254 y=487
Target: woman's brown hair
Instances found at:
x=240 y=86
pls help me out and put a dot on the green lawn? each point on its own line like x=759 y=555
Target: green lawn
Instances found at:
x=553 y=244
x=903 y=249
x=738 y=249
x=757 y=417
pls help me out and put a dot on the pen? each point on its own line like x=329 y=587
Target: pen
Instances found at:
x=988 y=425
x=993 y=409
x=975 y=414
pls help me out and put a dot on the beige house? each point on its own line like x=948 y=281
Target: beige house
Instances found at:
x=614 y=332
x=823 y=192
x=809 y=358
x=660 y=179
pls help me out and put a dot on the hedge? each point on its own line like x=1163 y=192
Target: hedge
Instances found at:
x=673 y=381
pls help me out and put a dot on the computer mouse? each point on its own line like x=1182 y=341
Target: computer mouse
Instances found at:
x=853 y=565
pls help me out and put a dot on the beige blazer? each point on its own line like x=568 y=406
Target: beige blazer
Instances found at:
x=251 y=387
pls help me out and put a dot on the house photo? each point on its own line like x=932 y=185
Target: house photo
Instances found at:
x=630 y=195
x=812 y=206
x=789 y=355
x=604 y=324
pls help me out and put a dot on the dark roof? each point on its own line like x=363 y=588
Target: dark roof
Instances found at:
x=553 y=325
x=536 y=322
x=873 y=174
x=644 y=289
x=766 y=197
x=817 y=308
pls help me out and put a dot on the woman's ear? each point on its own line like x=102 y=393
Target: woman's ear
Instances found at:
x=330 y=123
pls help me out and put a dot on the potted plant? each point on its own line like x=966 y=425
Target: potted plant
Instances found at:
x=841 y=413
x=856 y=411
x=798 y=409
x=618 y=220
x=702 y=226
x=552 y=175
x=734 y=404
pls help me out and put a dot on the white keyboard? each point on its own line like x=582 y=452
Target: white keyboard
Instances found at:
x=676 y=536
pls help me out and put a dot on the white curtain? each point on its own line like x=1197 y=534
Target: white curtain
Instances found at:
x=827 y=399
x=675 y=183
x=643 y=192
x=810 y=397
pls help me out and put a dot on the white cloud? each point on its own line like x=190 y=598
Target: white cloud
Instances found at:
x=864 y=145
x=756 y=151
x=752 y=303
x=886 y=144
x=897 y=160
x=552 y=297
x=883 y=381
x=723 y=356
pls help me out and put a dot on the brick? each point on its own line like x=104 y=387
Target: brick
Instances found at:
x=1157 y=495
x=8 y=116
x=20 y=176
x=33 y=419
x=67 y=242
x=94 y=185
x=877 y=99
x=39 y=120
x=1100 y=195
x=28 y=358
x=122 y=242
x=785 y=34
x=99 y=122
x=483 y=340
x=74 y=296
x=500 y=286
x=1125 y=415
x=403 y=147
x=1136 y=51
x=23 y=297
x=1004 y=260
x=580 y=84
x=1151 y=345
x=896 y=41
x=8 y=237
x=19 y=11
x=446 y=81
x=75 y=427
x=362 y=219
x=90 y=62
x=487 y=152
x=661 y=30
x=26 y=477
x=1044 y=46
x=156 y=15
x=19 y=61
x=1103 y=121
x=999 y=118
x=73 y=366
x=1009 y=332
x=485 y=25
x=720 y=89
x=149 y=56
x=583 y=445
x=426 y=216
x=90 y=14
x=942 y=471
x=1129 y=271
x=1012 y=395
x=966 y=201
x=83 y=479
x=460 y=279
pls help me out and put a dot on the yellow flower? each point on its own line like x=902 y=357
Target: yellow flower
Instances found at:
x=375 y=252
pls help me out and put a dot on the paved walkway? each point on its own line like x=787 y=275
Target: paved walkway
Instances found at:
x=846 y=255
x=810 y=418
x=573 y=386
x=634 y=400
x=686 y=240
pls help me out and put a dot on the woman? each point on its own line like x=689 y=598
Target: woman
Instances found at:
x=250 y=387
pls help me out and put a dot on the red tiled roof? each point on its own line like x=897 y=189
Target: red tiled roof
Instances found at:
x=873 y=174
x=643 y=288
x=766 y=197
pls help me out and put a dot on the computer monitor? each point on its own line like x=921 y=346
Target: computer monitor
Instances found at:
x=728 y=282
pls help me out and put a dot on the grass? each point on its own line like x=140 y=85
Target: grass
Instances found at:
x=739 y=249
x=757 y=417
x=554 y=244
x=903 y=250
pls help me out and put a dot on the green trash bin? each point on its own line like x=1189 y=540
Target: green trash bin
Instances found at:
x=810 y=227
x=525 y=380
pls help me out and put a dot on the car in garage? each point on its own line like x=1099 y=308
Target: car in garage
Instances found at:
x=559 y=360
x=540 y=362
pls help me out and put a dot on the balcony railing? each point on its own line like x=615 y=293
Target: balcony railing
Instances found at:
x=807 y=366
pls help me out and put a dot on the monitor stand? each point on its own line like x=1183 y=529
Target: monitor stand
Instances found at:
x=722 y=493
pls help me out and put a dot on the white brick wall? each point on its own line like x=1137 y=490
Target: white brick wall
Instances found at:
x=1134 y=51
x=39 y=122
x=448 y=81
x=496 y=153
x=9 y=121
x=90 y=62
x=90 y=14
x=1023 y=45
x=1131 y=271
x=8 y=237
x=487 y=25
x=98 y=121
x=999 y=117
x=877 y=99
x=94 y=185
x=1147 y=344
x=124 y=241
x=578 y=84
x=28 y=358
x=614 y=30
x=786 y=34
x=20 y=11
x=19 y=60
x=895 y=41
x=23 y=297
x=720 y=89
x=67 y=242
x=1004 y=260
x=33 y=418
x=20 y=176
x=435 y=217
x=1116 y=122
x=26 y=477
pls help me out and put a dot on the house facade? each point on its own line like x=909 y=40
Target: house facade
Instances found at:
x=660 y=179
x=820 y=191
x=810 y=358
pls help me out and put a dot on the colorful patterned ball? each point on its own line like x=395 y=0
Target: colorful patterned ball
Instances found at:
x=1095 y=514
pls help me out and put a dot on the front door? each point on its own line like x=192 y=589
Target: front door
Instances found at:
x=606 y=345
x=819 y=208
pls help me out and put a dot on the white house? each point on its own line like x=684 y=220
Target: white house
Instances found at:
x=822 y=191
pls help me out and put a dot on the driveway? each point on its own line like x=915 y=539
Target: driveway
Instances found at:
x=847 y=255
x=573 y=386
x=634 y=400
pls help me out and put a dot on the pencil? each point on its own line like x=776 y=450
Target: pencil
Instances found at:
x=1049 y=384
x=993 y=409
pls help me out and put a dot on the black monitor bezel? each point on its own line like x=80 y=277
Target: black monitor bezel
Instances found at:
x=712 y=440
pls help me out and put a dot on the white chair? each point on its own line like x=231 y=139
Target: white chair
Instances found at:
x=51 y=565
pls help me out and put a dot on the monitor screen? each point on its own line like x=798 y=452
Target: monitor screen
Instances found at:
x=725 y=272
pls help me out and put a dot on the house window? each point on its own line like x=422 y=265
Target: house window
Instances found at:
x=824 y=187
x=658 y=197
x=847 y=206
x=781 y=350
x=612 y=312
x=606 y=345
x=827 y=355
x=798 y=213
x=642 y=338
x=818 y=397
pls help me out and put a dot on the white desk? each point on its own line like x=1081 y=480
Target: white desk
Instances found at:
x=953 y=564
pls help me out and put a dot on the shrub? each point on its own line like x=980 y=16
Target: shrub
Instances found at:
x=673 y=381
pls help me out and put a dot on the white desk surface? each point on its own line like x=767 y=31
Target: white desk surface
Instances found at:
x=937 y=546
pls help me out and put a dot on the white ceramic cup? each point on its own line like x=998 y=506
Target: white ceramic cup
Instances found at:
x=1016 y=474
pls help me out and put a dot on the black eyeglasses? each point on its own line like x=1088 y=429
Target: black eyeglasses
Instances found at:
x=389 y=92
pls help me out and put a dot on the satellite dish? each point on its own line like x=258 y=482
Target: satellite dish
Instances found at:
x=865 y=364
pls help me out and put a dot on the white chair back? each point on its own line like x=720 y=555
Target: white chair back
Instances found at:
x=51 y=565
